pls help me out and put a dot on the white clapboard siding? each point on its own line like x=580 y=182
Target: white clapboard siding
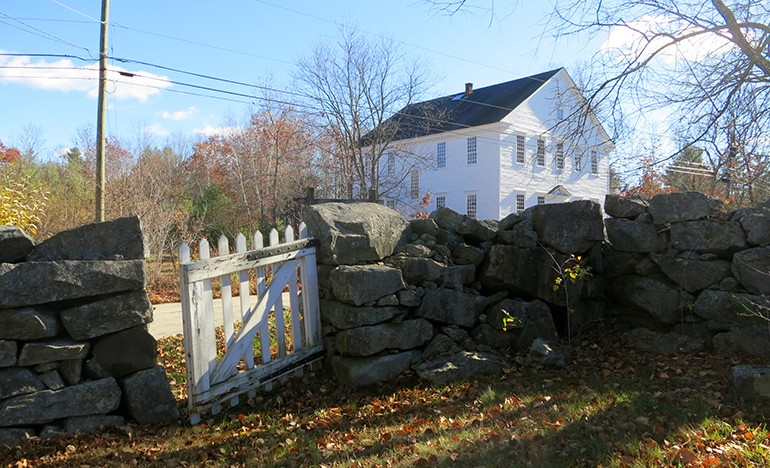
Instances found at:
x=213 y=381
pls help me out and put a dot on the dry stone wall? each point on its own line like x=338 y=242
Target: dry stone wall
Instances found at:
x=75 y=354
x=442 y=294
x=682 y=267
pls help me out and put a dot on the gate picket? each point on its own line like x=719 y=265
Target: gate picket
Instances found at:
x=213 y=381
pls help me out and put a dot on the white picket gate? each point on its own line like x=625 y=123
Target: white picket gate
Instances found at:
x=213 y=380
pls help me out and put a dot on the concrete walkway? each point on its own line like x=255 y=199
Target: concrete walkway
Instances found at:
x=167 y=318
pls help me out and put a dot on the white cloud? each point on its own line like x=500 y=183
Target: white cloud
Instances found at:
x=63 y=75
x=156 y=129
x=639 y=39
x=208 y=130
x=180 y=115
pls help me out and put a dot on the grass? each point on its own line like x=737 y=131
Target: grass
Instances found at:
x=611 y=407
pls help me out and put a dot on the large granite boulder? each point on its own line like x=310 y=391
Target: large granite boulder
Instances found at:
x=529 y=273
x=726 y=311
x=108 y=315
x=522 y=320
x=570 y=228
x=33 y=283
x=15 y=244
x=118 y=239
x=624 y=207
x=359 y=284
x=359 y=372
x=109 y=352
x=93 y=397
x=657 y=298
x=743 y=342
x=693 y=275
x=752 y=269
x=712 y=236
x=354 y=233
x=148 y=398
x=451 y=307
x=368 y=340
x=634 y=236
x=756 y=223
x=679 y=206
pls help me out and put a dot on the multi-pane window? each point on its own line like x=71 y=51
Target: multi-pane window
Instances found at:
x=541 y=199
x=520 y=202
x=559 y=156
x=471 y=205
x=441 y=155
x=520 y=149
x=594 y=162
x=541 y=152
x=472 y=157
x=578 y=162
x=391 y=164
x=440 y=201
x=414 y=188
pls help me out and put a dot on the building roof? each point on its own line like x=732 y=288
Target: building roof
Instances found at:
x=458 y=111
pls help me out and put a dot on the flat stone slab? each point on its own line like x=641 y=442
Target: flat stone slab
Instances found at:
x=109 y=315
x=28 y=323
x=117 y=239
x=33 y=283
x=462 y=365
x=8 y=350
x=365 y=341
x=109 y=352
x=94 y=397
x=363 y=371
x=346 y=316
x=18 y=381
x=39 y=352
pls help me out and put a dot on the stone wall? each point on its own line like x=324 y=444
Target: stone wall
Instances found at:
x=75 y=354
x=689 y=273
x=435 y=295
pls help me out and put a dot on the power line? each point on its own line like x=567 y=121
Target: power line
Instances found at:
x=44 y=34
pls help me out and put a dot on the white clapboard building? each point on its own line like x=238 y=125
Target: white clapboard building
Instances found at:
x=497 y=150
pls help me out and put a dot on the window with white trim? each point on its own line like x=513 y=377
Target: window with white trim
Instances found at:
x=520 y=201
x=391 y=164
x=441 y=155
x=414 y=188
x=470 y=202
x=559 y=156
x=440 y=201
x=520 y=154
x=541 y=199
x=472 y=156
x=578 y=161
x=594 y=162
x=540 y=152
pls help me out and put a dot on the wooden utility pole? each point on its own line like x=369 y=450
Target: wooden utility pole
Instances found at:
x=100 y=115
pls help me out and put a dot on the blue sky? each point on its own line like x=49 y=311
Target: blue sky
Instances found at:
x=249 y=41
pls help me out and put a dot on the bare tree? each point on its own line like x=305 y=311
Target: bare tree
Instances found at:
x=357 y=84
x=702 y=66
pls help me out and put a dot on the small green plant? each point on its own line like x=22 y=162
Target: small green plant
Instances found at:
x=570 y=270
x=509 y=321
